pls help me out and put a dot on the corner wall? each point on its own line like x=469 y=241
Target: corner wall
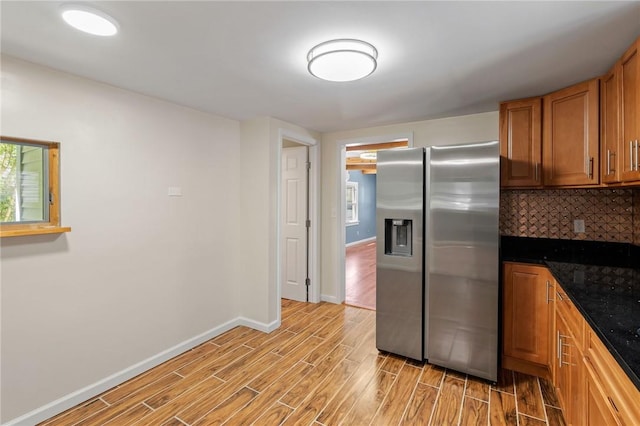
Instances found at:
x=140 y=272
x=257 y=290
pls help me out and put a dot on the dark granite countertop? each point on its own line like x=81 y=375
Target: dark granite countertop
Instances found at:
x=602 y=280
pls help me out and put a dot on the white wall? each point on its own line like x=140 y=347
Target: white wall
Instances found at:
x=140 y=272
x=446 y=131
x=253 y=266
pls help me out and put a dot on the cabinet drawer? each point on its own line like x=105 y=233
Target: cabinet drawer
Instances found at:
x=573 y=318
x=621 y=394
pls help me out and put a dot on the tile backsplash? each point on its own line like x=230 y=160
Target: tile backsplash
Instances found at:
x=608 y=214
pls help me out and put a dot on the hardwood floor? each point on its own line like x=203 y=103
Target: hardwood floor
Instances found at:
x=320 y=367
x=360 y=275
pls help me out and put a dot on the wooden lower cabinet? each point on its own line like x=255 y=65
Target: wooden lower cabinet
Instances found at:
x=568 y=372
x=597 y=408
x=526 y=318
x=544 y=334
x=590 y=385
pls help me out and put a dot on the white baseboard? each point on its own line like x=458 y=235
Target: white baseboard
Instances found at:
x=59 y=405
x=366 y=240
x=260 y=326
x=330 y=299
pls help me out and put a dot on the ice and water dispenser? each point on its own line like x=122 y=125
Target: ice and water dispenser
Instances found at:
x=397 y=238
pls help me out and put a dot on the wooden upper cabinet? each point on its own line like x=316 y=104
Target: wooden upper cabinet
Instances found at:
x=630 y=114
x=610 y=125
x=520 y=143
x=571 y=135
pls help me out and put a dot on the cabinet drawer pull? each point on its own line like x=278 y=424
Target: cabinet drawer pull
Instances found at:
x=561 y=353
x=567 y=363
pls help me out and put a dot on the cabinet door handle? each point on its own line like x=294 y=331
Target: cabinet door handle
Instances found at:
x=613 y=169
x=559 y=296
x=537 y=172
x=559 y=349
x=591 y=168
x=636 y=151
x=613 y=404
x=631 y=167
x=610 y=169
x=548 y=285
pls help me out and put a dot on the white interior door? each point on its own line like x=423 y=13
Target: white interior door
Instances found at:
x=294 y=220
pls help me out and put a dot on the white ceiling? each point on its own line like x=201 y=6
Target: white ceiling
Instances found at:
x=246 y=59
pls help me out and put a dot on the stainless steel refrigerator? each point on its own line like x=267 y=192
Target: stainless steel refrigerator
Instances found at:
x=437 y=255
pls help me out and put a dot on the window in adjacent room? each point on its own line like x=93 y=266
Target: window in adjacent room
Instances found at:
x=352 y=203
x=29 y=187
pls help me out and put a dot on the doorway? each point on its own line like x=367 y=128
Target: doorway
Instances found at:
x=357 y=228
x=298 y=218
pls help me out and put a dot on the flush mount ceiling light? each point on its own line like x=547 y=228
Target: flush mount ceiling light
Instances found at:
x=89 y=20
x=369 y=155
x=342 y=60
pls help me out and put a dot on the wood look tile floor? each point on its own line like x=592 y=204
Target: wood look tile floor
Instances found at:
x=321 y=367
x=360 y=275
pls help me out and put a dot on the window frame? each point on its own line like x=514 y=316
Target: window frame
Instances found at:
x=355 y=204
x=52 y=225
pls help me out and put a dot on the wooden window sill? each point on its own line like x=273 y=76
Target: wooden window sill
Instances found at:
x=18 y=231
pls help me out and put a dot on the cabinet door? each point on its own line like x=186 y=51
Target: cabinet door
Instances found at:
x=526 y=313
x=610 y=125
x=521 y=143
x=630 y=114
x=571 y=135
x=569 y=377
x=562 y=373
x=596 y=407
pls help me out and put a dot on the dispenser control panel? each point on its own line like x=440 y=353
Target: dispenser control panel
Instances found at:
x=397 y=237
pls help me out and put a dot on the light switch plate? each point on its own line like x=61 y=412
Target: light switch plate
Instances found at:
x=174 y=191
x=578 y=226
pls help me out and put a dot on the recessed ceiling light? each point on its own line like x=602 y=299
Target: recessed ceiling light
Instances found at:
x=342 y=60
x=89 y=20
